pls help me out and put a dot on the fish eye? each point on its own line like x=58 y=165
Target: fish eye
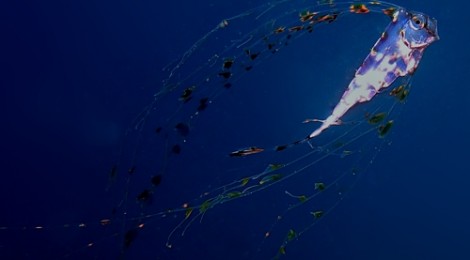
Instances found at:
x=417 y=22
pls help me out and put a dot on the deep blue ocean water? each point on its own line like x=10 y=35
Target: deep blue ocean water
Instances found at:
x=76 y=75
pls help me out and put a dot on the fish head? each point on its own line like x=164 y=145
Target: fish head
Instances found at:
x=420 y=30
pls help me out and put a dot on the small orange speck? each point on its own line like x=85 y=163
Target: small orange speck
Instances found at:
x=279 y=30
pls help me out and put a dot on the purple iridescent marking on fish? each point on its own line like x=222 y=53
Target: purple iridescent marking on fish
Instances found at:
x=396 y=54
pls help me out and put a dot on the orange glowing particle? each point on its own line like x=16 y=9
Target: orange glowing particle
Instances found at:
x=359 y=9
x=295 y=28
x=280 y=30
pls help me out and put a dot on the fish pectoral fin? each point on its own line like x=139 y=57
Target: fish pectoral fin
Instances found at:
x=308 y=120
x=337 y=122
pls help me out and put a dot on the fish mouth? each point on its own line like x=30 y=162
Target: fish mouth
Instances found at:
x=432 y=28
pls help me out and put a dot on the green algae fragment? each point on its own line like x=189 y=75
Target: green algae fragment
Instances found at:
x=234 y=194
x=273 y=167
x=384 y=129
x=205 y=206
x=291 y=234
x=270 y=178
x=317 y=214
x=245 y=181
x=400 y=93
x=377 y=118
x=188 y=212
x=319 y=186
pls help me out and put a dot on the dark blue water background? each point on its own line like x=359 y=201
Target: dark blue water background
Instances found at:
x=75 y=74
